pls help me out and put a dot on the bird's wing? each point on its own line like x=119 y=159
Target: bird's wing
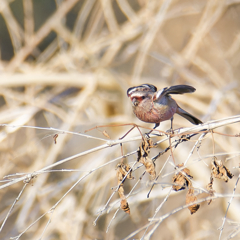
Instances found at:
x=178 y=89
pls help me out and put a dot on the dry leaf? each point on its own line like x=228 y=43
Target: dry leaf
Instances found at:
x=122 y=171
x=143 y=152
x=210 y=190
x=180 y=180
x=149 y=165
x=125 y=206
x=55 y=138
x=220 y=171
x=190 y=197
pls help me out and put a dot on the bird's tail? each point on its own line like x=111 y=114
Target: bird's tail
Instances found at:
x=188 y=116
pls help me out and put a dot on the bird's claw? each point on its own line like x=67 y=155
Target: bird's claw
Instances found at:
x=171 y=131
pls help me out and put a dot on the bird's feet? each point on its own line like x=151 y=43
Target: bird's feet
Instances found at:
x=170 y=131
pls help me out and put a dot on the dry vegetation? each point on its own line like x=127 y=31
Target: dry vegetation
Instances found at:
x=65 y=68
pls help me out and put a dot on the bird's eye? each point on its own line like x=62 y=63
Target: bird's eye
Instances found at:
x=143 y=97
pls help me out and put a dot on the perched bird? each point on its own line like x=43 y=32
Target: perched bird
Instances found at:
x=152 y=106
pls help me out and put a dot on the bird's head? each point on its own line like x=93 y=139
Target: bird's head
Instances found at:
x=139 y=93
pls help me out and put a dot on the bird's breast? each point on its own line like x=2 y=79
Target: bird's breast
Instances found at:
x=155 y=113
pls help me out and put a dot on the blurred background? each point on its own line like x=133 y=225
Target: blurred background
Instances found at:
x=66 y=66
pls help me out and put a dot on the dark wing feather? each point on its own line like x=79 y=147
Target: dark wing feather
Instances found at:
x=178 y=89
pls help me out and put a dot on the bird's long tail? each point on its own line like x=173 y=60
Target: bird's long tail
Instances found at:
x=188 y=116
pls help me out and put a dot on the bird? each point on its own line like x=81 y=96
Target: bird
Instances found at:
x=155 y=106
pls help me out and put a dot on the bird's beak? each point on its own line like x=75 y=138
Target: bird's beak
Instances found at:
x=134 y=101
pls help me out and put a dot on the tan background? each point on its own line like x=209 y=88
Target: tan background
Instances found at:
x=68 y=65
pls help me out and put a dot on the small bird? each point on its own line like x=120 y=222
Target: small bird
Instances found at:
x=152 y=106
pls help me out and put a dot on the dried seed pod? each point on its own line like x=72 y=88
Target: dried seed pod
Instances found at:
x=220 y=171
x=190 y=197
x=55 y=138
x=122 y=171
x=125 y=206
x=210 y=190
x=143 y=152
x=149 y=165
x=180 y=180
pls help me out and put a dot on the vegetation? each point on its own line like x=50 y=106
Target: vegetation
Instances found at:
x=70 y=167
